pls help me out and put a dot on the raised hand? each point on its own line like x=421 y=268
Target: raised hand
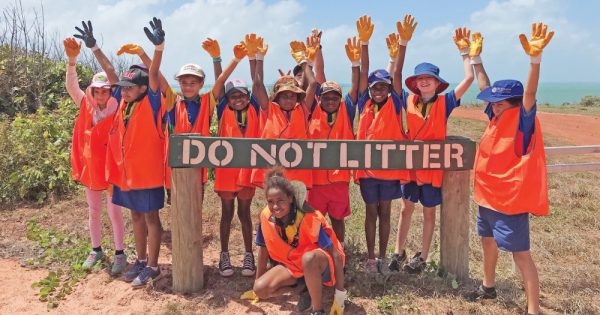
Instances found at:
x=72 y=47
x=262 y=48
x=392 y=42
x=298 y=50
x=353 y=50
x=476 y=45
x=251 y=43
x=406 y=28
x=312 y=48
x=132 y=49
x=461 y=38
x=157 y=35
x=87 y=34
x=540 y=37
x=211 y=46
x=240 y=51
x=364 y=28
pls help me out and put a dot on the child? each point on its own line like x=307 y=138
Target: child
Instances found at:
x=332 y=119
x=285 y=114
x=427 y=115
x=299 y=239
x=380 y=106
x=88 y=154
x=510 y=172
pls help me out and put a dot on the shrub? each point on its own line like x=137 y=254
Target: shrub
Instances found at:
x=590 y=101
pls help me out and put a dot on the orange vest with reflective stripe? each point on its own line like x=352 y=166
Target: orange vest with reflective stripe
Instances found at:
x=182 y=125
x=88 y=150
x=308 y=235
x=432 y=128
x=234 y=179
x=277 y=126
x=135 y=157
x=505 y=180
x=341 y=129
x=385 y=125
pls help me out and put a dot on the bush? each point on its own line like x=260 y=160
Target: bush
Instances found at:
x=590 y=101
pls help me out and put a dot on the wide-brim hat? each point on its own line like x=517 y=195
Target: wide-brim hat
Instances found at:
x=287 y=83
x=331 y=86
x=425 y=68
x=501 y=90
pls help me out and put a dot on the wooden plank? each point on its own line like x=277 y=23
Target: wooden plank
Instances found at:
x=572 y=150
x=455 y=221
x=186 y=230
x=581 y=167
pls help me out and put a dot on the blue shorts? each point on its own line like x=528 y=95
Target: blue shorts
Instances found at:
x=142 y=200
x=427 y=195
x=511 y=232
x=374 y=190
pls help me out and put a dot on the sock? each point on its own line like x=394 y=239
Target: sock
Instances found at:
x=154 y=268
x=97 y=249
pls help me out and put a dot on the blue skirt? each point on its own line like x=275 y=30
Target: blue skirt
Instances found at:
x=142 y=200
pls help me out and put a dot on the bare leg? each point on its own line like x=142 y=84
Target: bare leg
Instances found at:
x=140 y=232
x=428 y=227
x=246 y=222
x=314 y=263
x=404 y=224
x=527 y=267
x=385 y=210
x=154 y=234
x=370 y=228
x=490 y=257
x=225 y=226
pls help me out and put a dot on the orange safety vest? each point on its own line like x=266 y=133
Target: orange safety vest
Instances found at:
x=506 y=180
x=88 y=150
x=318 y=128
x=277 y=126
x=234 y=179
x=385 y=125
x=135 y=154
x=308 y=235
x=182 y=125
x=431 y=128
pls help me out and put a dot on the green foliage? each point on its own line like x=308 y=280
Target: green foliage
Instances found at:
x=62 y=249
x=590 y=101
x=35 y=154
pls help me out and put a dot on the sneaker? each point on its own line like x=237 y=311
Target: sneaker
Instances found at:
x=145 y=275
x=92 y=259
x=382 y=267
x=119 y=264
x=304 y=301
x=398 y=261
x=482 y=293
x=416 y=264
x=225 y=268
x=248 y=269
x=371 y=266
x=134 y=270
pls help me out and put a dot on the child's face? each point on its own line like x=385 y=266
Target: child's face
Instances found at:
x=427 y=84
x=330 y=102
x=299 y=77
x=101 y=96
x=278 y=202
x=379 y=92
x=131 y=93
x=238 y=100
x=190 y=85
x=287 y=100
x=499 y=107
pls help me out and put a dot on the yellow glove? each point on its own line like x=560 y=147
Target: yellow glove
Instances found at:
x=262 y=47
x=249 y=295
x=476 y=45
x=364 y=28
x=338 y=302
x=212 y=47
x=392 y=42
x=353 y=51
x=132 y=49
x=312 y=50
x=298 y=51
x=251 y=43
x=461 y=38
x=539 y=39
x=240 y=51
x=72 y=47
x=336 y=309
x=406 y=28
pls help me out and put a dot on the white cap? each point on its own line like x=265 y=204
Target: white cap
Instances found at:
x=190 y=69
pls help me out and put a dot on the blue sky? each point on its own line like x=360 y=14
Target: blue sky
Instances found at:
x=572 y=56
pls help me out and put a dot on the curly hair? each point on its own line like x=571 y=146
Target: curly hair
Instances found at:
x=275 y=179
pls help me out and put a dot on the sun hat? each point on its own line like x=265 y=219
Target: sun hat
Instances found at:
x=331 y=86
x=425 y=68
x=286 y=83
x=501 y=90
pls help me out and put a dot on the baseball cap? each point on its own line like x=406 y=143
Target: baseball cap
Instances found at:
x=100 y=80
x=501 y=90
x=237 y=85
x=379 y=75
x=190 y=69
x=133 y=77
x=331 y=86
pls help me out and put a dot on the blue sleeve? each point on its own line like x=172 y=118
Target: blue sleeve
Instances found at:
x=350 y=109
x=324 y=240
x=318 y=92
x=155 y=99
x=488 y=111
x=398 y=101
x=260 y=240
x=404 y=99
x=362 y=100
x=451 y=103
x=254 y=103
x=526 y=125
x=116 y=93
x=221 y=107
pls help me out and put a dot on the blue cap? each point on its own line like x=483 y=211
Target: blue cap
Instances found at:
x=379 y=75
x=425 y=68
x=501 y=90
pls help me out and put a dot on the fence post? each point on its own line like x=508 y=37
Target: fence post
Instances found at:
x=186 y=229
x=455 y=220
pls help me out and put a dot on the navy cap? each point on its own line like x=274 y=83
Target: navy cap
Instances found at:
x=501 y=90
x=425 y=68
x=379 y=75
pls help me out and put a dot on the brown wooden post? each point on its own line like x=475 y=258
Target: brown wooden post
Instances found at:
x=186 y=229
x=455 y=221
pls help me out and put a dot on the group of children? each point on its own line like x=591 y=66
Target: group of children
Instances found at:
x=121 y=135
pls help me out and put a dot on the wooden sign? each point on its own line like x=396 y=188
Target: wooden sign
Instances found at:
x=192 y=150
